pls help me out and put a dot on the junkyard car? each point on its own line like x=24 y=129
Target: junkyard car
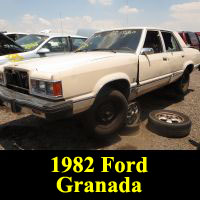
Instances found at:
x=36 y=46
x=101 y=79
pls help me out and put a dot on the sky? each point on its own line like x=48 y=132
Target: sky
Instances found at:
x=70 y=15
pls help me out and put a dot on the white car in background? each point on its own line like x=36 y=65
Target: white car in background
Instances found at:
x=36 y=46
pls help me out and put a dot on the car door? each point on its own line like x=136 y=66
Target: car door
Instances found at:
x=154 y=71
x=175 y=54
x=57 y=46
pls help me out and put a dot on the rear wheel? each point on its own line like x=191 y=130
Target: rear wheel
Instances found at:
x=182 y=85
x=107 y=115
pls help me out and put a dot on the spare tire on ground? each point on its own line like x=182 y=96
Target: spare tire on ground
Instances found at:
x=169 y=124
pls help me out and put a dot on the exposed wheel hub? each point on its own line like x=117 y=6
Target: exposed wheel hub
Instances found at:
x=106 y=113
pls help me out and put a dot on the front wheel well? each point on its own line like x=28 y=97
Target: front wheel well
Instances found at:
x=189 y=69
x=121 y=85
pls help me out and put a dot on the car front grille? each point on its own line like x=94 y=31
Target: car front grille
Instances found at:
x=17 y=80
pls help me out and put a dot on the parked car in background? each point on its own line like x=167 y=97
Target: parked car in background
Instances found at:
x=102 y=79
x=36 y=46
x=191 y=39
x=15 y=35
x=198 y=34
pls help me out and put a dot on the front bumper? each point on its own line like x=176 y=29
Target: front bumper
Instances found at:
x=22 y=103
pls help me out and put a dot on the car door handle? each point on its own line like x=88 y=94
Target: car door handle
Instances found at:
x=165 y=59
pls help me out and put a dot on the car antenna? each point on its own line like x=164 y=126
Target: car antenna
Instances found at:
x=61 y=25
x=127 y=3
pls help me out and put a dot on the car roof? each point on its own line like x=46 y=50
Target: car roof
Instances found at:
x=61 y=35
x=186 y=32
x=49 y=34
x=9 y=33
x=130 y=28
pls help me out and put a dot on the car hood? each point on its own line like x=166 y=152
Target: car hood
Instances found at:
x=64 y=62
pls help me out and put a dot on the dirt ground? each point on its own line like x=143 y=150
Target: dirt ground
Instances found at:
x=21 y=132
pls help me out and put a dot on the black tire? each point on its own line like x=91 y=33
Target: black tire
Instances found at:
x=133 y=120
x=182 y=85
x=172 y=130
x=107 y=115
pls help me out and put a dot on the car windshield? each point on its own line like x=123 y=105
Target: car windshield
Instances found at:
x=119 y=40
x=31 y=42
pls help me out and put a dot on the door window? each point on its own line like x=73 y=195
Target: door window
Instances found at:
x=171 y=43
x=153 y=41
x=57 y=45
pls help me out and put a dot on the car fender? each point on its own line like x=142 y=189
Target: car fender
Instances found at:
x=108 y=79
x=186 y=64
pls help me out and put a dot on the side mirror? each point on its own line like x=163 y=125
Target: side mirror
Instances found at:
x=43 y=51
x=147 y=51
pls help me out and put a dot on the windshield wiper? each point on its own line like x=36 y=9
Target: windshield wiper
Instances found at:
x=100 y=49
x=104 y=49
x=81 y=50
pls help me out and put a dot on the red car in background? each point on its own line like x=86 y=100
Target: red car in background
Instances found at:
x=191 y=39
x=198 y=34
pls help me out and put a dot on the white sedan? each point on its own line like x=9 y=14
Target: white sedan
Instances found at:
x=36 y=46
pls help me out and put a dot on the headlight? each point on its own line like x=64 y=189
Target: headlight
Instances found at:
x=1 y=78
x=46 y=88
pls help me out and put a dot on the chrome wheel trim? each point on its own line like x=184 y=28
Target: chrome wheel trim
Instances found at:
x=169 y=118
x=133 y=114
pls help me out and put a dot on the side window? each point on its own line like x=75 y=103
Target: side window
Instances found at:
x=153 y=41
x=171 y=43
x=57 y=45
x=77 y=42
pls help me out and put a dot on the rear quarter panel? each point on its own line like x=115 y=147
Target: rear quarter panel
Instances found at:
x=192 y=56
